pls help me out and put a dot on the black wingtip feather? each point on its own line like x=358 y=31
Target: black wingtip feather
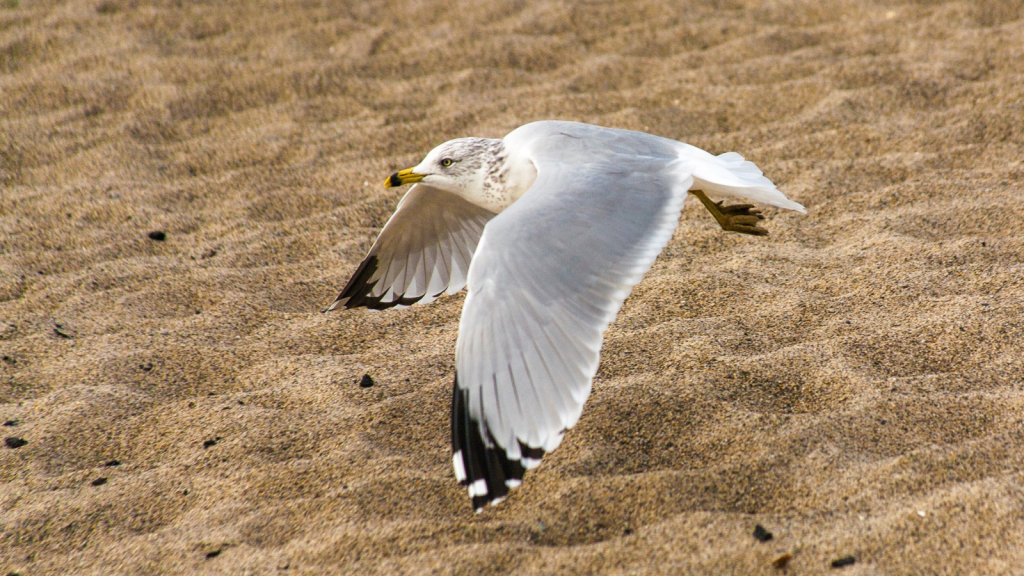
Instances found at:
x=482 y=460
x=358 y=292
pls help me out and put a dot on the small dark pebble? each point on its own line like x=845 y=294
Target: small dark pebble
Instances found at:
x=99 y=482
x=213 y=554
x=146 y=367
x=14 y=422
x=157 y=235
x=209 y=443
x=113 y=463
x=844 y=561
x=10 y=360
x=13 y=442
x=761 y=534
x=627 y=532
x=366 y=381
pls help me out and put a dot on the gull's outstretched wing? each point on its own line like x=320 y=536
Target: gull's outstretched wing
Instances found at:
x=551 y=272
x=424 y=250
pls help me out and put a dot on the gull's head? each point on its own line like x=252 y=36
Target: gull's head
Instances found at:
x=459 y=166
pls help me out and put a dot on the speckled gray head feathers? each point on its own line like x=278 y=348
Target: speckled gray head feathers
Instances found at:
x=465 y=156
x=476 y=169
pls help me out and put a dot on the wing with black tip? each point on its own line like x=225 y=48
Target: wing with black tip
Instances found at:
x=423 y=251
x=550 y=274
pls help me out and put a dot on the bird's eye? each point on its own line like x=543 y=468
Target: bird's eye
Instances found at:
x=446 y=162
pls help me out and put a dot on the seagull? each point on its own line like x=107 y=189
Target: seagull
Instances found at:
x=550 y=228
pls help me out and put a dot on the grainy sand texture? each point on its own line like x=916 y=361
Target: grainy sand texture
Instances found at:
x=852 y=382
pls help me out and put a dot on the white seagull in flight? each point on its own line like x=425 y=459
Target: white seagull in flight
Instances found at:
x=550 y=227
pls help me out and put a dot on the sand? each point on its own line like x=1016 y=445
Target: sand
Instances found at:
x=854 y=382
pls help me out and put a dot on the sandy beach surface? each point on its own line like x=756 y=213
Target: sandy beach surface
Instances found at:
x=853 y=383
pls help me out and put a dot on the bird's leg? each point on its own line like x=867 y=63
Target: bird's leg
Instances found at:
x=736 y=218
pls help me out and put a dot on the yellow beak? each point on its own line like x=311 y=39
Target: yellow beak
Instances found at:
x=402 y=178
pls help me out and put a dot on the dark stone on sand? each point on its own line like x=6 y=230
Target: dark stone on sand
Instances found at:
x=99 y=482
x=844 y=561
x=113 y=463
x=157 y=235
x=761 y=534
x=13 y=442
x=366 y=381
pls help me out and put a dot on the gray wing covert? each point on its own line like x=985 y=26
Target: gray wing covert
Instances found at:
x=424 y=250
x=550 y=274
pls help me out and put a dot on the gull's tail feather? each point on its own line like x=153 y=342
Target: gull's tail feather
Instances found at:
x=729 y=175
